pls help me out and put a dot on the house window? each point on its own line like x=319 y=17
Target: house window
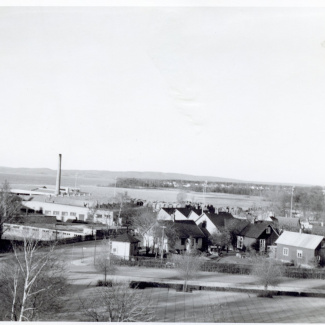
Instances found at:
x=285 y=251
x=73 y=214
x=114 y=250
x=240 y=242
x=64 y=213
x=299 y=253
x=56 y=213
x=47 y=212
x=268 y=230
x=183 y=241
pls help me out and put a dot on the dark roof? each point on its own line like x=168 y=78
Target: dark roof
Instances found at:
x=169 y=210
x=126 y=238
x=239 y=225
x=254 y=230
x=205 y=231
x=188 y=228
x=185 y=211
x=293 y=222
x=198 y=211
x=220 y=219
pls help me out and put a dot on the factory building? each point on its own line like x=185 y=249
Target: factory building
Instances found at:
x=43 y=233
x=65 y=212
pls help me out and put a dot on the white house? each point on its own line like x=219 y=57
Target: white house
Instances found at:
x=189 y=236
x=212 y=222
x=124 y=246
x=195 y=214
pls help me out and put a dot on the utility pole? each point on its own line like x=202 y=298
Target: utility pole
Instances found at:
x=291 y=201
x=75 y=183
x=204 y=193
x=115 y=186
x=162 y=243
x=95 y=248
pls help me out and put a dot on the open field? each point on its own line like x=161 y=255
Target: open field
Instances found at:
x=216 y=199
x=167 y=195
x=199 y=306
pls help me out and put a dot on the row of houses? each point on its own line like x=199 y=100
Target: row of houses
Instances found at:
x=259 y=233
x=290 y=246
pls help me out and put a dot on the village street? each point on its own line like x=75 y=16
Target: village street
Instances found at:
x=198 y=306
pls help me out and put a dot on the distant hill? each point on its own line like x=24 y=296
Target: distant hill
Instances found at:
x=104 y=177
x=110 y=175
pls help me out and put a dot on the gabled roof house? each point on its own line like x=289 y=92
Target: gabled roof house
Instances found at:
x=299 y=248
x=124 y=246
x=257 y=235
x=213 y=222
x=177 y=214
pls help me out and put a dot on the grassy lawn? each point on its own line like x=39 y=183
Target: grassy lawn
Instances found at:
x=199 y=306
x=205 y=306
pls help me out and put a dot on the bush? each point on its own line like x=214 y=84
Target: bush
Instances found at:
x=265 y=294
x=101 y=283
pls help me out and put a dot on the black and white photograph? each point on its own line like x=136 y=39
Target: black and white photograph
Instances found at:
x=162 y=161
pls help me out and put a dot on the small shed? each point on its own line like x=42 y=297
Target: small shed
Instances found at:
x=297 y=247
x=124 y=246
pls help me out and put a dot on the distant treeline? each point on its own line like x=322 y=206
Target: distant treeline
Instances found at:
x=217 y=187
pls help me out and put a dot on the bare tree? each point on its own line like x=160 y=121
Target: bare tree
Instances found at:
x=222 y=238
x=268 y=272
x=181 y=197
x=32 y=282
x=105 y=261
x=165 y=232
x=117 y=303
x=10 y=206
x=188 y=266
x=122 y=199
x=144 y=222
x=92 y=210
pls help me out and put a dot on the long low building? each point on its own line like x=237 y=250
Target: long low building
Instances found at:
x=43 y=232
x=65 y=212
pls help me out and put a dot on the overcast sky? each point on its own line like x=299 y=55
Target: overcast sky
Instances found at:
x=229 y=92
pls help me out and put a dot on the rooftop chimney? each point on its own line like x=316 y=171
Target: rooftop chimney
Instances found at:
x=58 y=177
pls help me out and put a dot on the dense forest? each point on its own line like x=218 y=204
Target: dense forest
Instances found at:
x=196 y=186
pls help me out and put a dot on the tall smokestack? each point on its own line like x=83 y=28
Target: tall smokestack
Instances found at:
x=58 y=178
